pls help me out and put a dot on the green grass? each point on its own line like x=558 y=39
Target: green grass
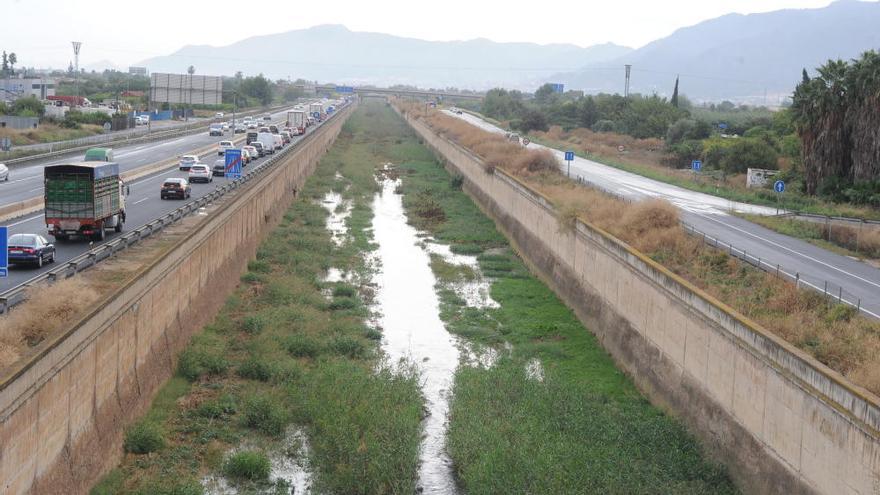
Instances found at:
x=247 y=465
x=255 y=370
x=585 y=428
x=812 y=232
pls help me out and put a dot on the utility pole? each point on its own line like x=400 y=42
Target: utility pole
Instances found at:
x=626 y=85
x=76 y=47
x=190 y=70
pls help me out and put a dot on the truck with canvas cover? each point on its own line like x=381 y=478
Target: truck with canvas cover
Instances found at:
x=84 y=199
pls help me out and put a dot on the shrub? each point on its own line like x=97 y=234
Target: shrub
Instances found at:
x=143 y=438
x=255 y=369
x=344 y=291
x=259 y=266
x=456 y=182
x=303 y=346
x=747 y=153
x=264 y=414
x=341 y=303
x=604 y=126
x=171 y=487
x=247 y=465
x=348 y=346
x=196 y=361
x=253 y=324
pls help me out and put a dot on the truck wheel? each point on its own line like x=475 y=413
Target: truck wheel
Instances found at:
x=100 y=235
x=118 y=227
x=61 y=238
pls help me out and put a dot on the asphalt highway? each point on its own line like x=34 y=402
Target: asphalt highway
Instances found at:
x=812 y=265
x=26 y=181
x=142 y=205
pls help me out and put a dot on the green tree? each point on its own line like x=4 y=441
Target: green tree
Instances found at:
x=748 y=153
x=28 y=107
x=13 y=59
x=674 y=99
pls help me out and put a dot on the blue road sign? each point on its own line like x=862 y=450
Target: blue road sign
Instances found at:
x=697 y=165
x=344 y=89
x=4 y=255
x=557 y=87
x=779 y=186
x=722 y=126
x=569 y=156
x=233 y=163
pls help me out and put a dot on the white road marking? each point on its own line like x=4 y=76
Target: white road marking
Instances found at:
x=140 y=201
x=776 y=244
x=25 y=220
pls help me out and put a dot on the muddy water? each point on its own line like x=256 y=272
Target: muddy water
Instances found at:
x=412 y=328
x=288 y=463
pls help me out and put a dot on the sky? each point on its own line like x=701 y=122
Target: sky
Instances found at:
x=40 y=32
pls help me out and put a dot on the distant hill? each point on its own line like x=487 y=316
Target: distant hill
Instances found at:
x=332 y=53
x=740 y=56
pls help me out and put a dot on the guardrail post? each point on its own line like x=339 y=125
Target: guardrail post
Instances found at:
x=797 y=280
x=777 y=270
x=825 y=291
x=839 y=294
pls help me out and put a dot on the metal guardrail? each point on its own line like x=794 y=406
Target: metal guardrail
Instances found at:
x=834 y=293
x=18 y=294
x=74 y=145
x=828 y=218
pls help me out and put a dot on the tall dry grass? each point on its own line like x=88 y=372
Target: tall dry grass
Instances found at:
x=46 y=311
x=834 y=335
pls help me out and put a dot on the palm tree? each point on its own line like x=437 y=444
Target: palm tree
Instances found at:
x=12 y=61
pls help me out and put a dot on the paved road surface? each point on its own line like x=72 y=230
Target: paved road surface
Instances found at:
x=142 y=205
x=711 y=214
x=26 y=181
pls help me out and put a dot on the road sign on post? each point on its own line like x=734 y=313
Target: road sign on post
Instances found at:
x=4 y=254
x=697 y=165
x=569 y=156
x=779 y=187
x=233 y=163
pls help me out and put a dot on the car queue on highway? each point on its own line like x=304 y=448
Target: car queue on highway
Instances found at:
x=191 y=169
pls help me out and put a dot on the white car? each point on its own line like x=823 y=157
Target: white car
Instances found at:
x=225 y=126
x=4 y=172
x=218 y=115
x=223 y=146
x=187 y=161
x=252 y=125
x=252 y=152
x=200 y=172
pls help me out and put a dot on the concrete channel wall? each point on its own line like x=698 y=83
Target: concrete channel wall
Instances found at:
x=778 y=419
x=63 y=411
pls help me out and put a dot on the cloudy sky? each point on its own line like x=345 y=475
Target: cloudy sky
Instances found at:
x=40 y=32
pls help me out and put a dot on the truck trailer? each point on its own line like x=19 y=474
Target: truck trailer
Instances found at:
x=83 y=199
x=297 y=120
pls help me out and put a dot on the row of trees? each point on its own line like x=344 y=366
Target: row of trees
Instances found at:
x=837 y=114
x=689 y=133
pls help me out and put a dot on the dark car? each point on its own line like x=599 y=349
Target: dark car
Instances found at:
x=219 y=168
x=30 y=248
x=175 y=188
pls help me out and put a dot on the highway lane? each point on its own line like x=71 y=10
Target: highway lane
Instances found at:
x=26 y=181
x=142 y=205
x=813 y=265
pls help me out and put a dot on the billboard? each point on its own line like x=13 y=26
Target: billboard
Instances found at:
x=185 y=88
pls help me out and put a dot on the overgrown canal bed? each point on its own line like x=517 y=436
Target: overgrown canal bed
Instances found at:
x=332 y=369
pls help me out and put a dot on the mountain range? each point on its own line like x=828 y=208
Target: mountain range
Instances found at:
x=755 y=57
x=332 y=53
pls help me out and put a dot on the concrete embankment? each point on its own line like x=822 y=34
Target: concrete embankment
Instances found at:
x=781 y=421
x=64 y=408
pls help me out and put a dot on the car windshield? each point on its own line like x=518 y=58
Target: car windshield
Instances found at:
x=188 y=159
x=23 y=240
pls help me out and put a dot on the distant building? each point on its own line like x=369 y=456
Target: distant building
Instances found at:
x=138 y=71
x=126 y=94
x=13 y=89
